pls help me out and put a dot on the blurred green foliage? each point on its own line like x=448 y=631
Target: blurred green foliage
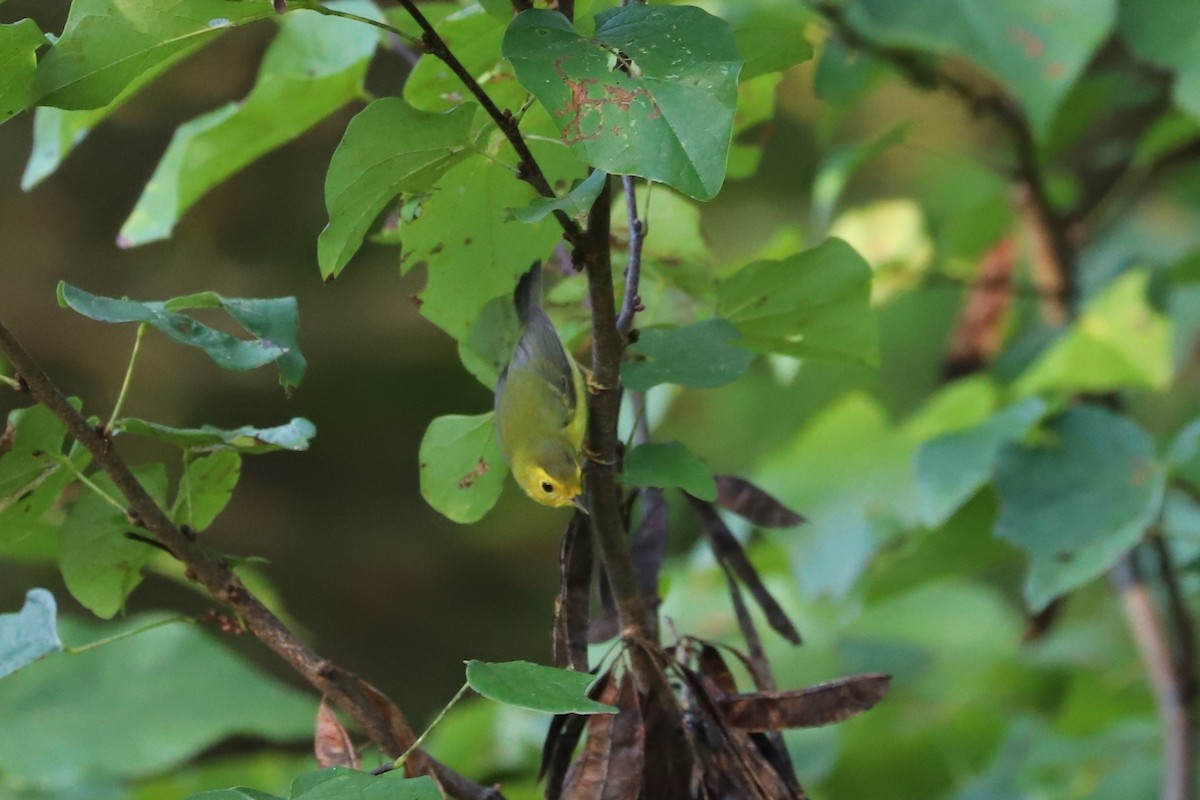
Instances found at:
x=942 y=513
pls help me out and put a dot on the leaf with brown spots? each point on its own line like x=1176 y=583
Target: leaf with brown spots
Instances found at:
x=331 y=742
x=810 y=707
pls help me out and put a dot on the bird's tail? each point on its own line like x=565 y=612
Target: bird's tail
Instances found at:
x=528 y=292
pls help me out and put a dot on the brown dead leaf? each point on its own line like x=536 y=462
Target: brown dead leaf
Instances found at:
x=810 y=707
x=331 y=742
x=750 y=502
x=571 y=607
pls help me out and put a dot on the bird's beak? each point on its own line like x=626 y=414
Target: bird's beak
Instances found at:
x=580 y=503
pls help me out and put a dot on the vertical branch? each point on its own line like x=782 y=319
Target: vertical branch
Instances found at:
x=1179 y=767
x=633 y=273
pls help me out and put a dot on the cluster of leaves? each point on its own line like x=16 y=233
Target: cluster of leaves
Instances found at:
x=911 y=511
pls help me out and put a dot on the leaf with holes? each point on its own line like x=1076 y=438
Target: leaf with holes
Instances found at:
x=462 y=468
x=651 y=93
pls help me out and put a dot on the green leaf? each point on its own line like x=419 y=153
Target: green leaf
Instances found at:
x=462 y=468
x=340 y=783
x=533 y=686
x=139 y=705
x=1037 y=48
x=37 y=443
x=652 y=93
x=665 y=464
x=751 y=128
x=314 y=66
x=1163 y=31
x=952 y=467
x=1118 y=342
x=1183 y=457
x=475 y=37
x=30 y=634
x=100 y=566
x=19 y=42
x=275 y=321
x=372 y=165
x=815 y=303
x=295 y=436
x=107 y=44
x=701 y=355
x=473 y=254
x=205 y=489
x=771 y=39
x=489 y=344
x=575 y=203
x=56 y=131
x=1076 y=503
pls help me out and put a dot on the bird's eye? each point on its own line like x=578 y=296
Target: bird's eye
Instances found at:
x=547 y=487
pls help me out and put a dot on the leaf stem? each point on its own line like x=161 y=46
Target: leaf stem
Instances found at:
x=312 y=5
x=83 y=648
x=10 y=382
x=421 y=739
x=137 y=345
x=90 y=484
x=529 y=171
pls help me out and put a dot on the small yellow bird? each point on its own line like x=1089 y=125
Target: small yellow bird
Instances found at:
x=541 y=406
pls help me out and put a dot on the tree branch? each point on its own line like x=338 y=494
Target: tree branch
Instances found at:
x=388 y=731
x=1179 y=769
x=528 y=169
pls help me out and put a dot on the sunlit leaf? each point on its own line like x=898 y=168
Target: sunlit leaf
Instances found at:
x=462 y=468
x=771 y=38
x=702 y=355
x=29 y=634
x=533 y=686
x=274 y=321
x=19 y=42
x=1077 y=502
x=652 y=93
x=137 y=706
x=106 y=44
x=1118 y=342
x=314 y=66
x=669 y=464
x=99 y=564
x=205 y=488
x=374 y=163
x=472 y=252
x=294 y=435
x=815 y=303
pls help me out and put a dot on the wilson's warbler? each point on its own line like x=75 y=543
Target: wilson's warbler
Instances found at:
x=541 y=405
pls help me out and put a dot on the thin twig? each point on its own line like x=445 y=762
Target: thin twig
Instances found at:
x=1183 y=624
x=529 y=170
x=320 y=8
x=633 y=274
x=1179 y=776
x=343 y=687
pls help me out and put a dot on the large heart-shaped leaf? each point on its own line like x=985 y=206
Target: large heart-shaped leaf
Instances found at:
x=652 y=93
